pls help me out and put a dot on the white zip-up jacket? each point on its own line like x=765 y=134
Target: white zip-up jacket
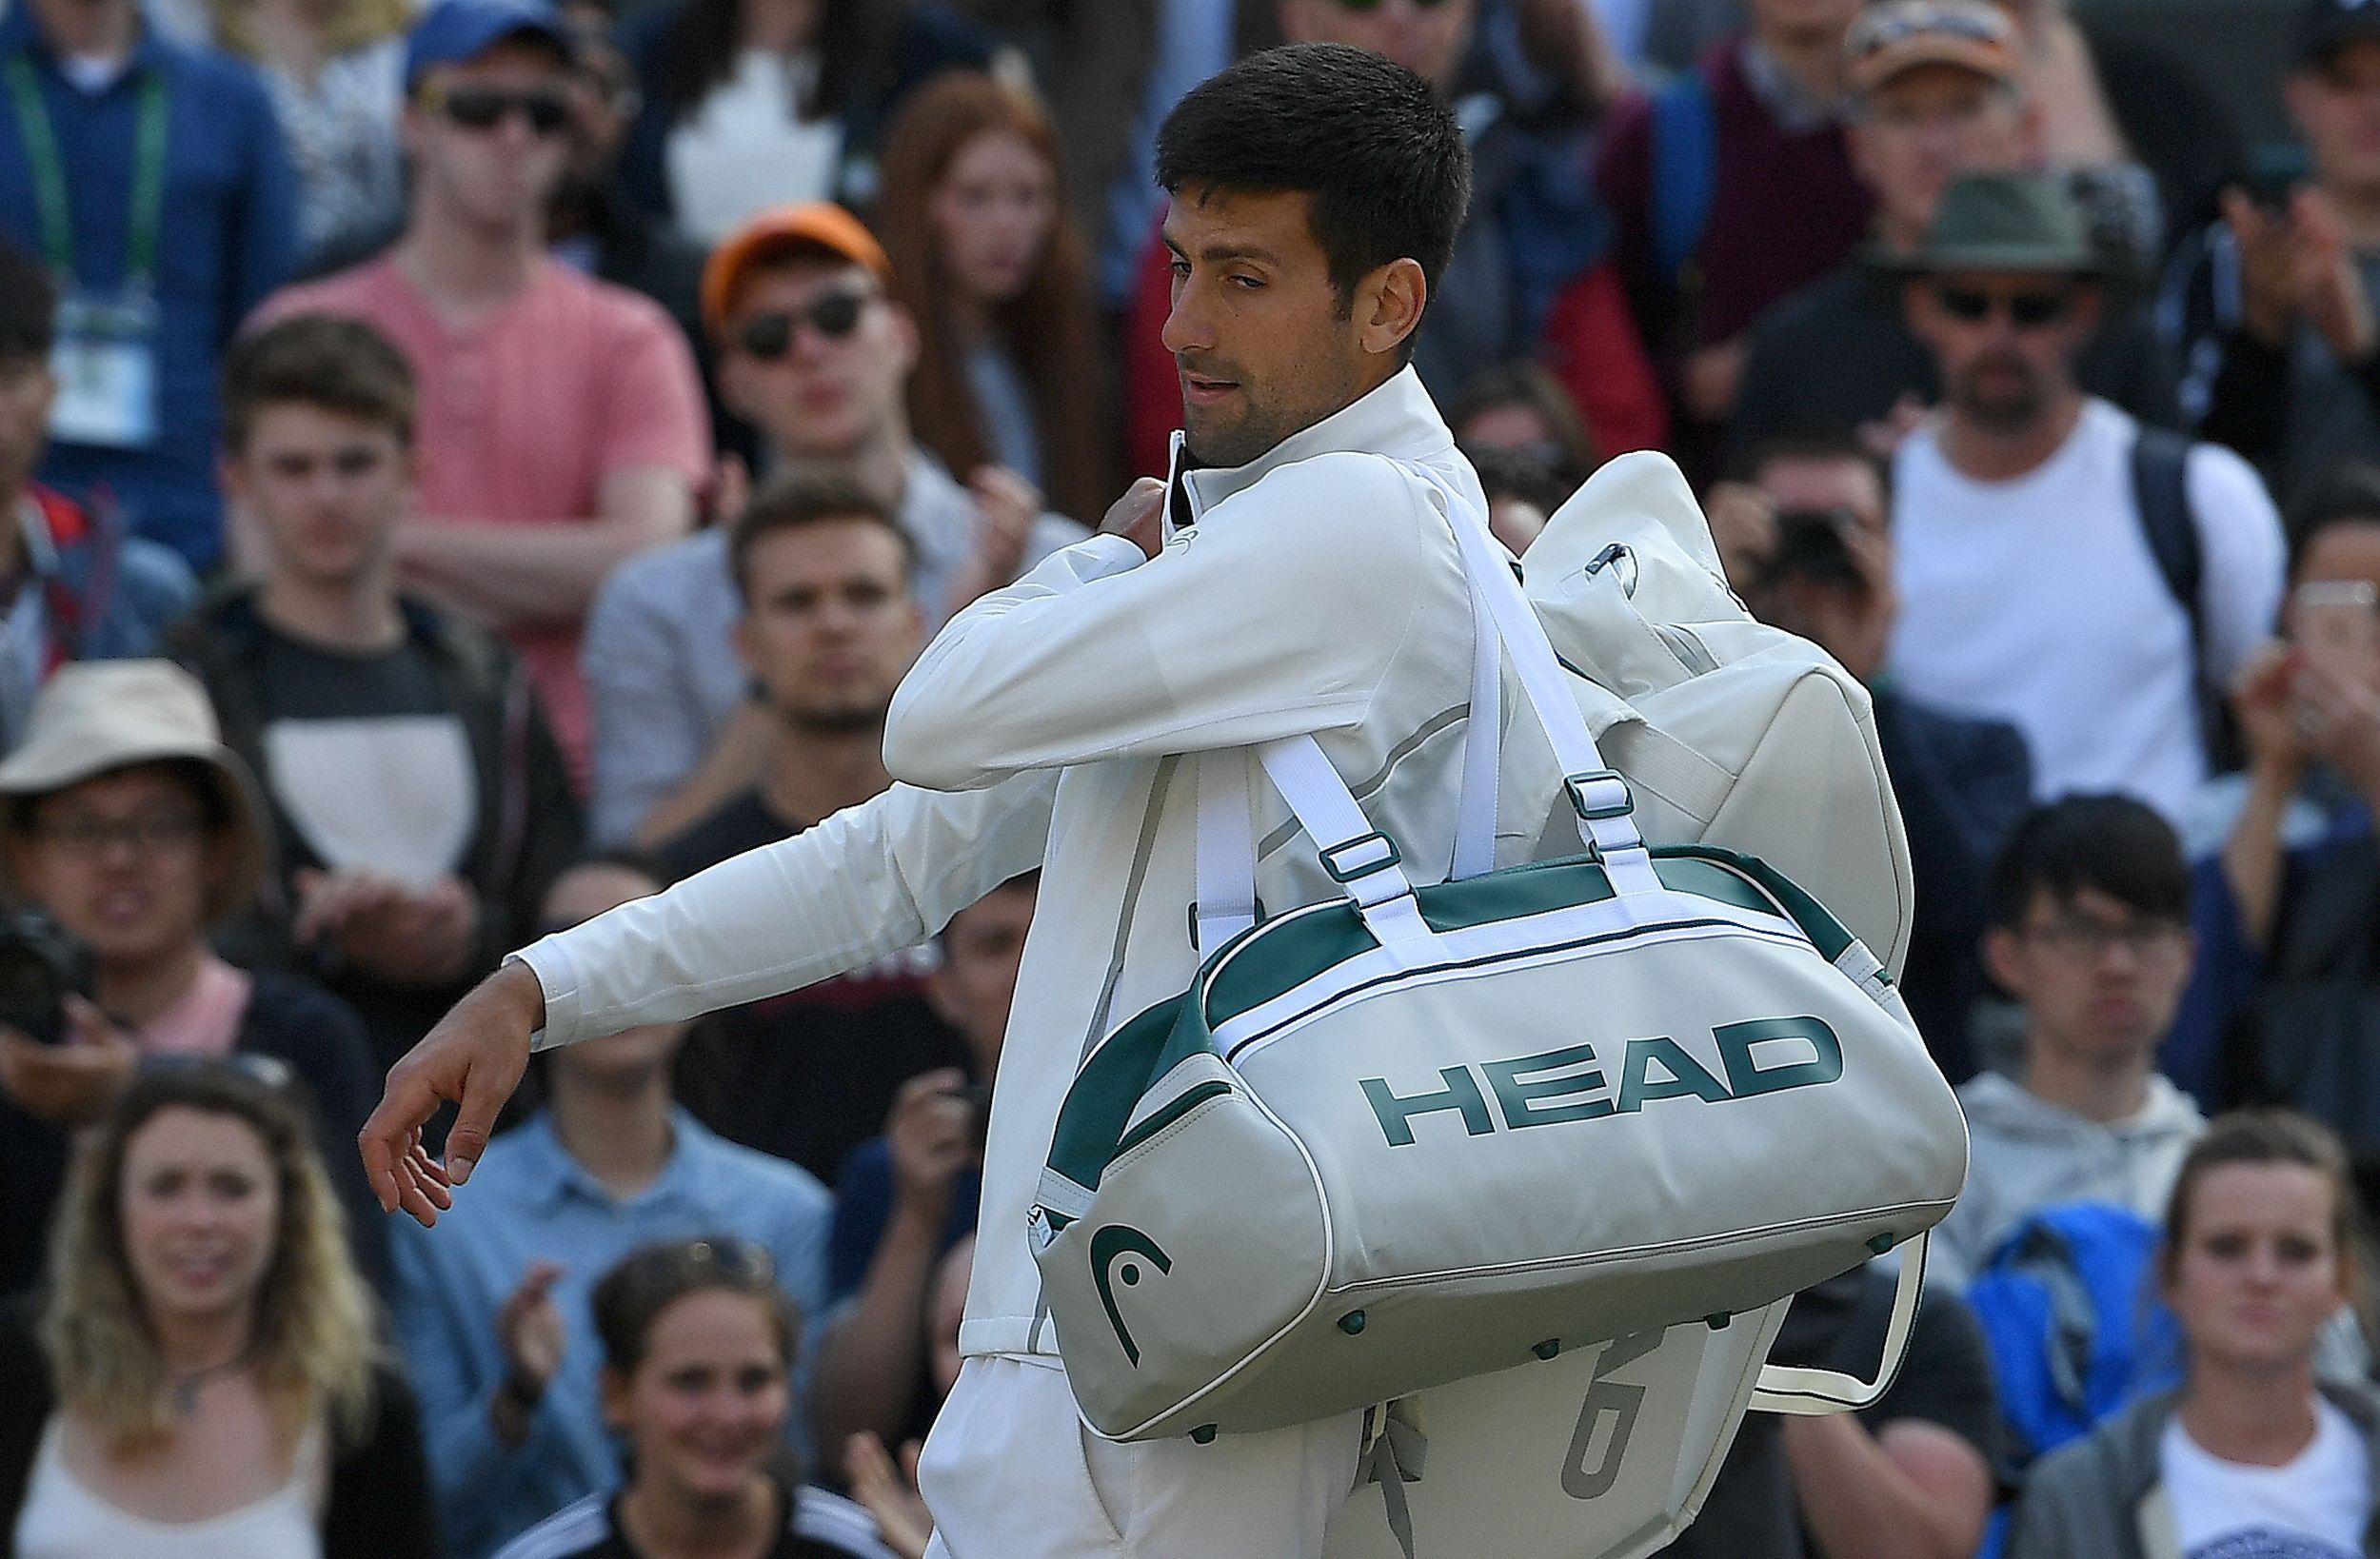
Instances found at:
x=1316 y=589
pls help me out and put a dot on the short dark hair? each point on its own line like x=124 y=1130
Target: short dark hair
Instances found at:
x=1816 y=442
x=2113 y=844
x=29 y=305
x=1372 y=143
x=328 y=360
x=2347 y=494
x=806 y=498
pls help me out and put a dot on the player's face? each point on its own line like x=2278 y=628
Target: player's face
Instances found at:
x=1261 y=341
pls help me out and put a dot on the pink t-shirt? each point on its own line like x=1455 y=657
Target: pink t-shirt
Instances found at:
x=523 y=415
x=206 y=1021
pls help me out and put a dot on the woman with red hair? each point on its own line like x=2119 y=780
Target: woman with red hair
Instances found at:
x=987 y=259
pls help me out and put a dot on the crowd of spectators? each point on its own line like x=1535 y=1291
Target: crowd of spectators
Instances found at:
x=471 y=464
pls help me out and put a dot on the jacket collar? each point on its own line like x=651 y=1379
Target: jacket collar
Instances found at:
x=1396 y=420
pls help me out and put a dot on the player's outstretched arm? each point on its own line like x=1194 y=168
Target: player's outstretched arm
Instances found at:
x=868 y=881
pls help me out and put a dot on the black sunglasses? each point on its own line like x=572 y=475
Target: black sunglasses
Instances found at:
x=2026 y=310
x=769 y=335
x=485 y=107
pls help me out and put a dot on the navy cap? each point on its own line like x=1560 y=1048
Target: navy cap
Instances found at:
x=454 y=30
x=2325 y=26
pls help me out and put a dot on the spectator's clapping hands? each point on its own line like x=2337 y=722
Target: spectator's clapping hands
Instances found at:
x=891 y=1493
x=74 y=1082
x=387 y=928
x=1005 y=508
x=2297 y=265
x=529 y=1326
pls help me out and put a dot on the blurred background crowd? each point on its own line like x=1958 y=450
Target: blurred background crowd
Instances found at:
x=466 y=467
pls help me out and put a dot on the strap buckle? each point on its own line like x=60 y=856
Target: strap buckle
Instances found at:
x=1342 y=869
x=1599 y=795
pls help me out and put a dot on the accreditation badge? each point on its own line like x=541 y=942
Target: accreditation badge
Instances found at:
x=106 y=365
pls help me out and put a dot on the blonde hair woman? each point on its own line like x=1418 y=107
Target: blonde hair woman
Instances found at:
x=204 y=1378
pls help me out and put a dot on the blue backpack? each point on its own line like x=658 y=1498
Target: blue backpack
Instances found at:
x=2069 y=1310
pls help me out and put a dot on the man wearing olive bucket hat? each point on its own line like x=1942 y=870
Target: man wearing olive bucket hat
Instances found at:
x=2060 y=568
x=133 y=831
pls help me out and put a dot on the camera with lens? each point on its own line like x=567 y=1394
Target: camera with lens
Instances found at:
x=40 y=963
x=1810 y=546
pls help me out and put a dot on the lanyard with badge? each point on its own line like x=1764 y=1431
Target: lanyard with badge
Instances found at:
x=106 y=356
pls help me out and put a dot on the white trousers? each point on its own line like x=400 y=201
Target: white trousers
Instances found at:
x=1011 y=1471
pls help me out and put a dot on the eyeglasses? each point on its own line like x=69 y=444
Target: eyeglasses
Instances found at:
x=92 y=837
x=2026 y=310
x=770 y=335
x=2087 y=936
x=485 y=107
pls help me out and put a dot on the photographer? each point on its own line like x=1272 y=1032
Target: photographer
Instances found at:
x=1811 y=555
x=131 y=827
x=2287 y=928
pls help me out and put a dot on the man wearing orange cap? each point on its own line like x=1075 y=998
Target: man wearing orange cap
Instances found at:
x=562 y=426
x=816 y=355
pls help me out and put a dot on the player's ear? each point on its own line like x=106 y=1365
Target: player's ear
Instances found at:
x=1389 y=304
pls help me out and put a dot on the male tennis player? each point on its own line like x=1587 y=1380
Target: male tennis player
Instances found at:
x=1295 y=577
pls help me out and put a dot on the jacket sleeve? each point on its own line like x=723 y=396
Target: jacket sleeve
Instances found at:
x=868 y=881
x=380 y=1504
x=1277 y=615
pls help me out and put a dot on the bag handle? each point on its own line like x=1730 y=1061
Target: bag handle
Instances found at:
x=1365 y=862
x=1597 y=793
x=1812 y=1393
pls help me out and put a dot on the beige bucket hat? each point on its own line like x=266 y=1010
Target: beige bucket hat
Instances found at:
x=95 y=717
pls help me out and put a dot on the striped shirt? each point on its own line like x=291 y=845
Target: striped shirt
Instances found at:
x=818 y=1525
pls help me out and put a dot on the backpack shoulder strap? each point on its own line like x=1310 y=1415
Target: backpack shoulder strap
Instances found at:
x=1685 y=170
x=2161 y=494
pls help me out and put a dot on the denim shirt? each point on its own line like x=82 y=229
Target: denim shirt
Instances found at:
x=528 y=1201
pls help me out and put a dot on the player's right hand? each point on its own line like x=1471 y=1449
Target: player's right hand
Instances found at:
x=474 y=1057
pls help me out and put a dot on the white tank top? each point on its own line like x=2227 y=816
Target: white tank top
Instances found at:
x=61 y=1519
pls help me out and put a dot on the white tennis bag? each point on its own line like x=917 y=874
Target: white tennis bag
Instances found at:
x=1427 y=1135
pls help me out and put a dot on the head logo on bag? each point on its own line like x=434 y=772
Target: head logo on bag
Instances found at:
x=1527 y=1088
x=1122 y=1240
